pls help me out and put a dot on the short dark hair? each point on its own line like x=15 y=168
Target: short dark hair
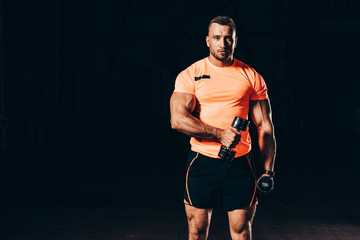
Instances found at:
x=223 y=20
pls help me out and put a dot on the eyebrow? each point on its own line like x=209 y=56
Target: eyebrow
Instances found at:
x=216 y=35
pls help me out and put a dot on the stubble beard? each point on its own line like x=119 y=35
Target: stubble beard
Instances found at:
x=220 y=57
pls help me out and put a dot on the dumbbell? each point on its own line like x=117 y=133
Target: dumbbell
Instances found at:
x=265 y=184
x=227 y=153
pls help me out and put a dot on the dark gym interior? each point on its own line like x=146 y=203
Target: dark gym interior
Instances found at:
x=86 y=147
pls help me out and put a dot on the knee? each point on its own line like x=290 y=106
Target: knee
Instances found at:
x=198 y=232
x=243 y=232
x=197 y=235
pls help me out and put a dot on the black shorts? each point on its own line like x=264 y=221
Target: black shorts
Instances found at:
x=212 y=182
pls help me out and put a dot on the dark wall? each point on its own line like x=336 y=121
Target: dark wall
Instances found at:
x=87 y=85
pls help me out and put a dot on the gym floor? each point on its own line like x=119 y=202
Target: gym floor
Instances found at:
x=290 y=218
x=96 y=202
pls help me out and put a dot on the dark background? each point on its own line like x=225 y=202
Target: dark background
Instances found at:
x=86 y=88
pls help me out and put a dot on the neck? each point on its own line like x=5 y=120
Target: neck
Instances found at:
x=219 y=63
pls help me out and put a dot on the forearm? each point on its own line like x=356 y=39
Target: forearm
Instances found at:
x=193 y=127
x=267 y=146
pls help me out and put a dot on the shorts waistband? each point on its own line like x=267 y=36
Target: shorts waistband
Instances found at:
x=243 y=157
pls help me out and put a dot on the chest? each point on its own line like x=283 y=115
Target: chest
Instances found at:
x=225 y=87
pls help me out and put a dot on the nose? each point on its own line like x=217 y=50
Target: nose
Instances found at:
x=222 y=42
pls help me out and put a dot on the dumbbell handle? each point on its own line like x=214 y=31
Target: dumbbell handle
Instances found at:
x=240 y=125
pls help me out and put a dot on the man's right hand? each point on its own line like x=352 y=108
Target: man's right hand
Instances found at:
x=230 y=137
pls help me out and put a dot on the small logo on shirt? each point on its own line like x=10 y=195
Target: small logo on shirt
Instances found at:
x=203 y=76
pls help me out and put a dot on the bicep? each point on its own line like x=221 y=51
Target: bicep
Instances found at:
x=261 y=113
x=182 y=103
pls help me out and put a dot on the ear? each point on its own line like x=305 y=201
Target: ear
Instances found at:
x=236 y=40
x=207 y=41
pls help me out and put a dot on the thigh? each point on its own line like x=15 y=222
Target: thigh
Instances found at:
x=203 y=181
x=198 y=220
x=239 y=185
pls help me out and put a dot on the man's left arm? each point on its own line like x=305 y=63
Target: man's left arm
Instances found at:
x=262 y=118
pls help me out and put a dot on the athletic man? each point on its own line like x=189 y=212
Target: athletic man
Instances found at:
x=207 y=97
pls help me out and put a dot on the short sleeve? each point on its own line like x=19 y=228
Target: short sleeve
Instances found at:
x=185 y=83
x=260 y=89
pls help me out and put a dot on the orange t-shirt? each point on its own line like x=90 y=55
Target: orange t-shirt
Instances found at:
x=222 y=93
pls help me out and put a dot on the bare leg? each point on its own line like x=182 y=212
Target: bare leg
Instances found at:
x=240 y=221
x=198 y=222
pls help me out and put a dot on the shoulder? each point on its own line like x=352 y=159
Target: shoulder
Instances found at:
x=194 y=68
x=246 y=68
x=198 y=65
x=250 y=73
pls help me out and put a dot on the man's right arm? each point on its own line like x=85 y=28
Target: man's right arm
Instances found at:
x=181 y=107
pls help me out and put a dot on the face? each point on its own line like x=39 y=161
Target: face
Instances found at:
x=221 y=41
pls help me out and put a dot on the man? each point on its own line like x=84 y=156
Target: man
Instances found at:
x=207 y=97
